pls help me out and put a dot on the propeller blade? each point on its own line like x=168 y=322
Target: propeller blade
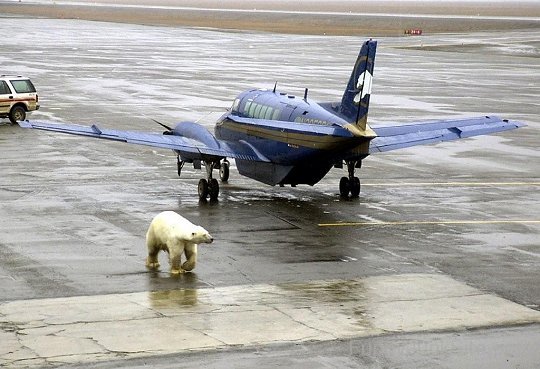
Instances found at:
x=163 y=125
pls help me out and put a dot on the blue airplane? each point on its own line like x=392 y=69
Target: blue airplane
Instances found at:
x=280 y=139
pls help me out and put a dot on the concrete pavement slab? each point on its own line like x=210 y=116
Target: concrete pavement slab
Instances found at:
x=107 y=327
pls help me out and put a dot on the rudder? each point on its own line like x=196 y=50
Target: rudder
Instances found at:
x=355 y=101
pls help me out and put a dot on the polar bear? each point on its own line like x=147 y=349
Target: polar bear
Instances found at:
x=174 y=234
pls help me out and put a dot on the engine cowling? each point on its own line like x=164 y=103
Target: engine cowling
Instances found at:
x=196 y=132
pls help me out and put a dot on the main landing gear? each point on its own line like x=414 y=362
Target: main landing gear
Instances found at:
x=209 y=186
x=350 y=184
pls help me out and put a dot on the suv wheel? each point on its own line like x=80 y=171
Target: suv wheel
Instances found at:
x=17 y=114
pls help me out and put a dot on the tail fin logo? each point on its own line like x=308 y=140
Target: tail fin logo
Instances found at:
x=363 y=86
x=355 y=100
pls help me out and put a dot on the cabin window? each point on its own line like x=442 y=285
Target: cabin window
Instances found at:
x=257 y=111
x=269 y=113
x=251 y=112
x=246 y=107
x=235 y=105
x=263 y=111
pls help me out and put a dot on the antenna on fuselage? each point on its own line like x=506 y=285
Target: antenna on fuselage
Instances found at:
x=275 y=85
x=305 y=94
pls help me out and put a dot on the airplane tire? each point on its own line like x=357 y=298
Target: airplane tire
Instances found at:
x=355 y=187
x=344 y=187
x=224 y=172
x=203 y=189
x=213 y=188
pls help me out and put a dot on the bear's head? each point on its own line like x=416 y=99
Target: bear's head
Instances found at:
x=201 y=235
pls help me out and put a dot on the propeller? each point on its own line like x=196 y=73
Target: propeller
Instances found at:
x=169 y=130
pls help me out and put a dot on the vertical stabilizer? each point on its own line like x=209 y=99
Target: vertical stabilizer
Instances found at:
x=355 y=100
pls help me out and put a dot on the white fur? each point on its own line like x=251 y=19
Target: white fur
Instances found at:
x=176 y=235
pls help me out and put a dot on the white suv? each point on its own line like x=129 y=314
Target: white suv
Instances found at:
x=17 y=96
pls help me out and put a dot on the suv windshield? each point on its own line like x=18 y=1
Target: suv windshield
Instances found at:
x=23 y=86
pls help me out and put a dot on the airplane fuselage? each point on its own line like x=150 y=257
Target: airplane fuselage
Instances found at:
x=301 y=139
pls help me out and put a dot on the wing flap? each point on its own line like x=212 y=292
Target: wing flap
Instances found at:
x=398 y=137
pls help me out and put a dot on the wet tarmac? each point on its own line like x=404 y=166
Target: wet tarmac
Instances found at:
x=74 y=211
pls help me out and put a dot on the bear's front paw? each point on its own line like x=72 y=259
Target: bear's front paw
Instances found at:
x=188 y=266
x=177 y=271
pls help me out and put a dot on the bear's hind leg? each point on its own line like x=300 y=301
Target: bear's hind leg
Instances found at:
x=152 y=261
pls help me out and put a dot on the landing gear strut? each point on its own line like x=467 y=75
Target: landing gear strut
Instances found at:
x=179 y=165
x=350 y=184
x=210 y=187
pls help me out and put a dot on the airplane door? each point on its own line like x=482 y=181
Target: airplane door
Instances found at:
x=287 y=111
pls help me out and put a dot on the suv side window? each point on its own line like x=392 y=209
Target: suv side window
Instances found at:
x=23 y=86
x=4 y=88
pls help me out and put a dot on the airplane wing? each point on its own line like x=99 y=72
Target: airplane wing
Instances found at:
x=422 y=133
x=181 y=144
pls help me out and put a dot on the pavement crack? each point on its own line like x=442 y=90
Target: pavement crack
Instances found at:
x=304 y=323
x=437 y=298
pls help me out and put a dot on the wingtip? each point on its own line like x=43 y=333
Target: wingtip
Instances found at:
x=514 y=123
